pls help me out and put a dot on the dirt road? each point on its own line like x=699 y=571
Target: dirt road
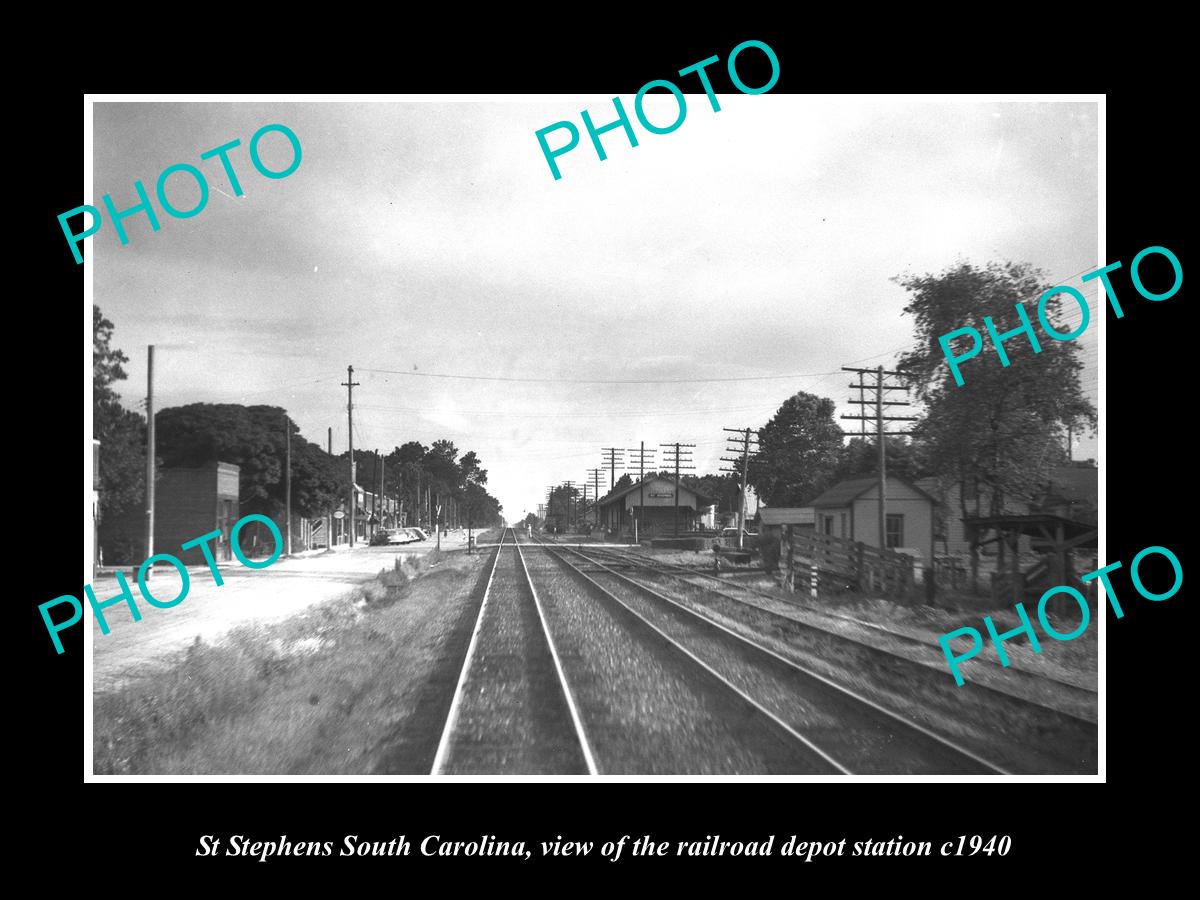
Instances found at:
x=282 y=590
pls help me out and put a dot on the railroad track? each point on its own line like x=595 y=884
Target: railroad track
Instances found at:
x=649 y=704
x=1056 y=740
x=850 y=733
x=512 y=711
x=771 y=606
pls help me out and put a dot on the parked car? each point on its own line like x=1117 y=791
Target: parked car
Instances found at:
x=732 y=533
x=391 y=536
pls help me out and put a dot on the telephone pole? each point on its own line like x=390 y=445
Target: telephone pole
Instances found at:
x=150 y=452
x=329 y=523
x=743 y=466
x=686 y=464
x=881 y=420
x=642 y=455
x=376 y=504
x=350 y=384
x=611 y=455
x=287 y=485
x=595 y=473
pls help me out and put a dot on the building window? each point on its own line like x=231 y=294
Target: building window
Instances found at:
x=828 y=524
x=895 y=531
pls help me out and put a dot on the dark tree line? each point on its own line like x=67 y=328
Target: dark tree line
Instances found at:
x=255 y=439
x=122 y=436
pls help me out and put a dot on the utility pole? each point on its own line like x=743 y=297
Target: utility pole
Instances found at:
x=570 y=487
x=880 y=386
x=743 y=466
x=375 y=498
x=642 y=455
x=350 y=384
x=383 y=490
x=329 y=519
x=287 y=486
x=150 y=453
x=610 y=457
x=595 y=473
x=678 y=458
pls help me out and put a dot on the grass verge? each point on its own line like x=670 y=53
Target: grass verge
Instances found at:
x=321 y=692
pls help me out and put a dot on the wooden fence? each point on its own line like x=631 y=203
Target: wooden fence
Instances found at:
x=838 y=563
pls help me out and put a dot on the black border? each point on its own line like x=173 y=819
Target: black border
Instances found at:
x=1145 y=476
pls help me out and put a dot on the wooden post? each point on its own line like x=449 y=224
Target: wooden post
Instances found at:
x=791 y=559
x=1017 y=580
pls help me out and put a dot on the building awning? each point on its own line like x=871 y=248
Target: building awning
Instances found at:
x=788 y=515
x=1040 y=525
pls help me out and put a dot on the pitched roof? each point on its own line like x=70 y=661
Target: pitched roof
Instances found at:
x=845 y=492
x=616 y=495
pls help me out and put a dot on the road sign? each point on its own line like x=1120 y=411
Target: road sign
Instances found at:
x=339 y=514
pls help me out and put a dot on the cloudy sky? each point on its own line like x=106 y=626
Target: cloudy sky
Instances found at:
x=536 y=321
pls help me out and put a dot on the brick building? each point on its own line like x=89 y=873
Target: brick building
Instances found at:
x=187 y=504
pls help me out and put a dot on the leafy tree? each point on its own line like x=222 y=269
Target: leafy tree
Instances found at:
x=725 y=489
x=470 y=470
x=799 y=449
x=998 y=434
x=252 y=438
x=122 y=436
x=106 y=360
x=860 y=457
x=623 y=482
x=563 y=503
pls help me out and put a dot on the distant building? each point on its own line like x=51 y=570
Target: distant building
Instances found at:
x=850 y=509
x=1070 y=492
x=188 y=503
x=780 y=523
x=192 y=502
x=652 y=502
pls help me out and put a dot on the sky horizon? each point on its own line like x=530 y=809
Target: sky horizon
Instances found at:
x=428 y=245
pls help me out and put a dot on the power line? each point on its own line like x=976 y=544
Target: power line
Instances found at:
x=743 y=436
x=881 y=420
x=683 y=460
x=574 y=415
x=613 y=456
x=417 y=374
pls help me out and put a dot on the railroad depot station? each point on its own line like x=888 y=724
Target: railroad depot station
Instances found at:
x=652 y=503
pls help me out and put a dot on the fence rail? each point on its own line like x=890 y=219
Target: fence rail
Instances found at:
x=842 y=562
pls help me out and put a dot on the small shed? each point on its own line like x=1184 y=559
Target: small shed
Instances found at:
x=850 y=509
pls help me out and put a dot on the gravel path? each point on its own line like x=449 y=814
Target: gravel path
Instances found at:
x=513 y=717
x=646 y=708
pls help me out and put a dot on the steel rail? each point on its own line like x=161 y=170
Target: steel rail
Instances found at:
x=840 y=690
x=774 y=721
